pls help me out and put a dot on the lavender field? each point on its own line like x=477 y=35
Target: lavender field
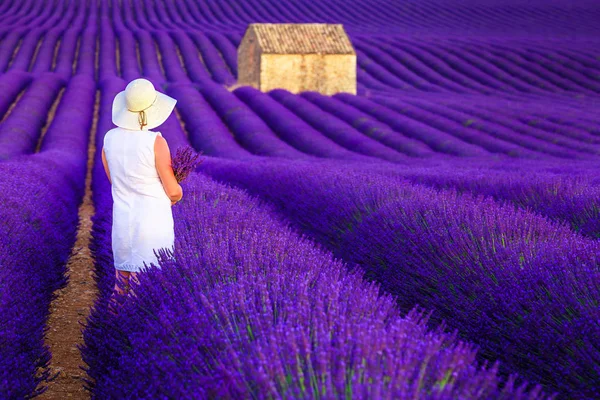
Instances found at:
x=436 y=236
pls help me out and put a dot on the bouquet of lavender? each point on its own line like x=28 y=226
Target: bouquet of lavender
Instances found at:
x=184 y=162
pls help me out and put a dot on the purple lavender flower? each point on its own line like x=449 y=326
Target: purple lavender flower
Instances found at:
x=184 y=162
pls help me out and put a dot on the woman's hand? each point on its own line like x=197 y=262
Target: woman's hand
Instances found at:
x=173 y=202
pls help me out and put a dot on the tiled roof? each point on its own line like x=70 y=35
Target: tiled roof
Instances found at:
x=302 y=38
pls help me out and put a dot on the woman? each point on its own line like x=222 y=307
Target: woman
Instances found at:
x=137 y=162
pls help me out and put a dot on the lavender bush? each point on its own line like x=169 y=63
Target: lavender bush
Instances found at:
x=11 y=84
x=572 y=199
x=20 y=132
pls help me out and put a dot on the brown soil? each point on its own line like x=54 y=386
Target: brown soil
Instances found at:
x=181 y=122
x=159 y=58
x=14 y=54
x=202 y=60
x=35 y=53
x=138 y=56
x=181 y=60
x=72 y=306
x=117 y=56
x=49 y=118
x=14 y=104
x=233 y=86
x=55 y=54
x=76 y=56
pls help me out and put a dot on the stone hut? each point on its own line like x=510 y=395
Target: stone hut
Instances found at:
x=297 y=57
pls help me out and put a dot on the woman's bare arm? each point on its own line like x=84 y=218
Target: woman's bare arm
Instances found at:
x=165 y=170
x=105 y=163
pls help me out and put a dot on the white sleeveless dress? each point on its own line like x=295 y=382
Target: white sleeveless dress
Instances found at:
x=142 y=215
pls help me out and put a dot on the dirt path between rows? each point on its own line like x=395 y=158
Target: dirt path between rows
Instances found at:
x=72 y=306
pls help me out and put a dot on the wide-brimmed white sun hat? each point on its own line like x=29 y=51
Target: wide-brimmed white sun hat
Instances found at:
x=140 y=106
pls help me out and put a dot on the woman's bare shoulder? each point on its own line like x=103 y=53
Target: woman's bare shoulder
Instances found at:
x=160 y=141
x=161 y=148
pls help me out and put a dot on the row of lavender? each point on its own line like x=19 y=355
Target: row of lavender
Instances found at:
x=251 y=309
x=40 y=194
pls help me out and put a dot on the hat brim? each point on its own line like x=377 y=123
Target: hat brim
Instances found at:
x=156 y=114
